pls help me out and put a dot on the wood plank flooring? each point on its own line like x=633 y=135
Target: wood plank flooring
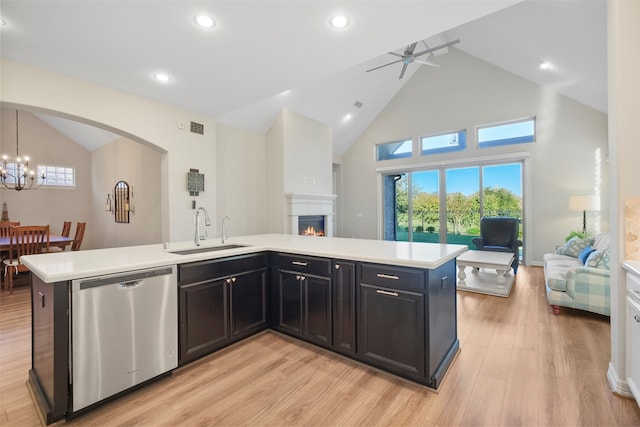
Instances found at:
x=519 y=365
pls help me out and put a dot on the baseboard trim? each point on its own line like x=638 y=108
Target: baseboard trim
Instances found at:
x=618 y=385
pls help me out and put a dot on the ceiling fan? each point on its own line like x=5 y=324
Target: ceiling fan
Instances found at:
x=409 y=57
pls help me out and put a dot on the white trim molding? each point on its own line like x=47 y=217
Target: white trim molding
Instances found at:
x=618 y=385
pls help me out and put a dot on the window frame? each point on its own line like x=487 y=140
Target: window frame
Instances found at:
x=461 y=146
x=57 y=185
x=401 y=142
x=507 y=141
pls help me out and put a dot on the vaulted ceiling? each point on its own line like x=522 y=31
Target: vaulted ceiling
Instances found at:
x=263 y=55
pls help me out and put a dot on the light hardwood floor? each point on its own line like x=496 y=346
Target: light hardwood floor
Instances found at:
x=519 y=365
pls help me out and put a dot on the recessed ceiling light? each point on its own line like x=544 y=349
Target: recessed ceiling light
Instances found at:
x=544 y=65
x=2 y=22
x=339 y=22
x=204 y=21
x=347 y=117
x=162 y=77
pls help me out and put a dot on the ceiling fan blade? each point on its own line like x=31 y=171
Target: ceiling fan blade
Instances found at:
x=404 y=68
x=442 y=46
x=377 y=68
x=429 y=63
x=411 y=48
x=395 y=54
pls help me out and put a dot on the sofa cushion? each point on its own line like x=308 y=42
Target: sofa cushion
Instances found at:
x=601 y=241
x=574 y=246
x=598 y=259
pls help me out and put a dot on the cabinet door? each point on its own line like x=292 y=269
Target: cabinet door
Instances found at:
x=248 y=302
x=391 y=329
x=344 y=306
x=290 y=301
x=204 y=325
x=317 y=309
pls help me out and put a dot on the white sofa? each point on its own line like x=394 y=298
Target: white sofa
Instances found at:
x=576 y=281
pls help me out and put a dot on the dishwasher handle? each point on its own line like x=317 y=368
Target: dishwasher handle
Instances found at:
x=130 y=284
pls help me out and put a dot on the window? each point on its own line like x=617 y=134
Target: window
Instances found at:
x=59 y=176
x=444 y=142
x=394 y=150
x=514 y=132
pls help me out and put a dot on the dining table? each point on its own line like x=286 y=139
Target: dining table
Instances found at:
x=54 y=240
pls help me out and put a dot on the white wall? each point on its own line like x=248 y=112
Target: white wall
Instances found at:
x=137 y=118
x=241 y=180
x=298 y=160
x=44 y=145
x=467 y=92
x=140 y=166
x=307 y=155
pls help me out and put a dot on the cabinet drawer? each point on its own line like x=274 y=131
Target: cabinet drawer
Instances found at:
x=211 y=269
x=409 y=279
x=305 y=264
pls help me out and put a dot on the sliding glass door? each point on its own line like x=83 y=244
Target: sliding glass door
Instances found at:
x=444 y=205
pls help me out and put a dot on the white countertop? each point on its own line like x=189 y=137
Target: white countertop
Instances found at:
x=61 y=266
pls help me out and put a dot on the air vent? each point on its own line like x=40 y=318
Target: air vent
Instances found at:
x=358 y=104
x=197 y=128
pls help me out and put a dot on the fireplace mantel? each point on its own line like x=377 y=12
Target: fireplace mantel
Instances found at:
x=310 y=204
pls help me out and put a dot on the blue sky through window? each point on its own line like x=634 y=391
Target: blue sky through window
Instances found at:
x=465 y=180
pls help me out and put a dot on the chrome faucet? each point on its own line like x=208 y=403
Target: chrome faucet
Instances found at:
x=225 y=233
x=207 y=221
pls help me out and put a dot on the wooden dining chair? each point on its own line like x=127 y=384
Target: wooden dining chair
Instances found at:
x=24 y=240
x=5 y=227
x=59 y=247
x=77 y=239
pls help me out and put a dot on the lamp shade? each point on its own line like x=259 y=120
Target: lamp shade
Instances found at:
x=584 y=203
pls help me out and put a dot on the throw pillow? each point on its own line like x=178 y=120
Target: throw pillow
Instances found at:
x=594 y=258
x=584 y=254
x=604 y=262
x=574 y=246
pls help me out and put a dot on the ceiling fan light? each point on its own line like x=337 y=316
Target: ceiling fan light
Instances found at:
x=339 y=22
x=545 y=65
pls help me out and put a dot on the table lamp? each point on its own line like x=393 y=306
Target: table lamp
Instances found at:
x=584 y=204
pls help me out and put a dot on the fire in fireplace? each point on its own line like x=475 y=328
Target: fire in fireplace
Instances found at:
x=311 y=225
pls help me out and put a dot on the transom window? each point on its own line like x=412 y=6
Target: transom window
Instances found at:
x=444 y=142
x=58 y=176
x=394 y=150
x=513 y=132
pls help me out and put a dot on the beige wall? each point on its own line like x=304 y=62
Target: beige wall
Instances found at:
x=624 y=142
x=45 y=145
x=241 y=177
x=140 y=166
x=467 y=92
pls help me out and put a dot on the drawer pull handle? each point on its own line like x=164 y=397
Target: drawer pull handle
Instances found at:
x=337 y=266
x=392 y=294
x=41 y=299
x=637 y=318
x=304 y=264
x=387 y=276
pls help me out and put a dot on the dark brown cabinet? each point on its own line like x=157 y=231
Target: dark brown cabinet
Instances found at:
x=302 y=297
x=344 y=306
x=221 y=301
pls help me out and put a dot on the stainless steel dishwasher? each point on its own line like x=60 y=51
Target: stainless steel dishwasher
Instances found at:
x=124 y=331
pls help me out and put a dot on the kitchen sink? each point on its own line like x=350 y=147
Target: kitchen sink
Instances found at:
x=207 y=249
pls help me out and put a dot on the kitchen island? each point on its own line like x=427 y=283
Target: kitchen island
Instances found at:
x=391 y=305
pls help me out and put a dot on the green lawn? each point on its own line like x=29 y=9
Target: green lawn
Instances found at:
x=457 y=239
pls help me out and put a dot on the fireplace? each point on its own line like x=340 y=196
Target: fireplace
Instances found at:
x=303 y=207
x=311 y=225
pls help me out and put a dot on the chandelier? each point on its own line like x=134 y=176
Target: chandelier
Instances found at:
x=15 y=174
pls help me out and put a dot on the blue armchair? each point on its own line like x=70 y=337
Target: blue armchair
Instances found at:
x=500 y=234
